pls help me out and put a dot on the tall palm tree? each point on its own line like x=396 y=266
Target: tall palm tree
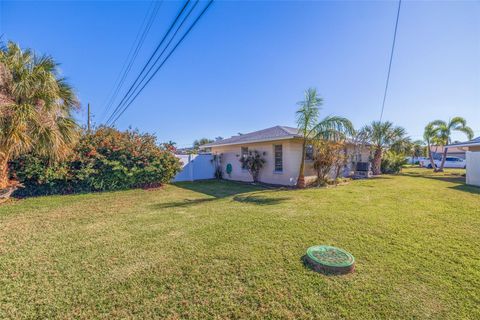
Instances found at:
x=35 y=108
x=382 y=135
x=430 y=136
x=329 y=128
x=444 y=131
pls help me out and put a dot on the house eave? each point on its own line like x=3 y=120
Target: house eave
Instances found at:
x=250 y=141
x=464 y=145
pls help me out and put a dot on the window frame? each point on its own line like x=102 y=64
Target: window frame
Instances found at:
x=307 y=148
x=275 y=170
x=243 y=155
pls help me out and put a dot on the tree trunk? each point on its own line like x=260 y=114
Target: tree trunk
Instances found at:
x=431 y=157
x=3 y=172
x=301 y=174
x=377 y=162
x=445 y=150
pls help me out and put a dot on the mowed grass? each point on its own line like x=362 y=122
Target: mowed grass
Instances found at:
x=219 y=250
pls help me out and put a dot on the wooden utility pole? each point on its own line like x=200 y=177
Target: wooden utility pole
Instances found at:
x=88 y=115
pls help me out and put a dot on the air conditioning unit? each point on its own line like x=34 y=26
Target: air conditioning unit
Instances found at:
x=363 y=170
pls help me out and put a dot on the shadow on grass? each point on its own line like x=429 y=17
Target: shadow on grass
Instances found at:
x=467 y=188
x=259 y=200
x=182 y=204
x=454 y=178
x=440 y=176
x=219 y=188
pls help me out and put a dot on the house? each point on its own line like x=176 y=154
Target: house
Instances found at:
x=437 y=152
x=472 y=149
x=281 y=147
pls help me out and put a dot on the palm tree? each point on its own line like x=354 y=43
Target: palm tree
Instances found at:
x=330 y=128
x=444 y=132
x=430 y=136
x=35 y=108
x=382 y=135
x=417 y=150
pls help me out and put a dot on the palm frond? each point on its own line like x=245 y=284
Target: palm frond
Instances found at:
x=38 y=115
x=333 y=128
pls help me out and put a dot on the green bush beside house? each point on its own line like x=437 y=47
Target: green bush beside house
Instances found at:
x=107 y=159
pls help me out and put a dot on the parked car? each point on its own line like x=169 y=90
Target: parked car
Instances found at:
x=450 y=162
x=415 y=160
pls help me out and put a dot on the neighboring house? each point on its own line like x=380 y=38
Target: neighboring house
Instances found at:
x=472 y=149
x=437 y=152
x=281 y=147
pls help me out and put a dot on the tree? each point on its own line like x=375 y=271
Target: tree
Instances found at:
x=36 y=108
x=382 y=135
x=253 y=162
x=330 y=128
x=169 y=146
x=444 y=131
x=406 y=147
x=417 y=149
x=430 y=136
x=329 y=157
x=402 y=146
x=198 y=143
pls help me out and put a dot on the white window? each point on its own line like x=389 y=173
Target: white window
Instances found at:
x=278 y=154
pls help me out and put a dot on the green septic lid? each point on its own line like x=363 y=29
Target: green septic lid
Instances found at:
x=329 y=259
x=229 y=168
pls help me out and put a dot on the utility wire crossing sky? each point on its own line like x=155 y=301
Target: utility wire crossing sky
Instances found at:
x=244 y=65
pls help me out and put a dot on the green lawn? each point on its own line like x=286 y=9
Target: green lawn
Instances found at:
x=226 y=250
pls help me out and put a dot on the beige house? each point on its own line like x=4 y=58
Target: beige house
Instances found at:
x=472 y=149
x=281 y=147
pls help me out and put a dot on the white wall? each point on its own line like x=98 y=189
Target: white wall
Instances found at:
x=195 y=167
x=473 y=168
x=291 y=162
x=292 y=151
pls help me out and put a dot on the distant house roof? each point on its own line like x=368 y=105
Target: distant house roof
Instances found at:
x=472 y=143
x=451 y=149
x=269 y=134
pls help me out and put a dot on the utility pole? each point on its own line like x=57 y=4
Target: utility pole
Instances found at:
x=88 y=115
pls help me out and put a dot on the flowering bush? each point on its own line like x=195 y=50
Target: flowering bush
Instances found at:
x=107 y=159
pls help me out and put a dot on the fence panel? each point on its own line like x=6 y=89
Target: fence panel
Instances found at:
x=195 y=167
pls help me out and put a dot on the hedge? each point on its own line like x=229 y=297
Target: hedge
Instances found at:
x=106 y=159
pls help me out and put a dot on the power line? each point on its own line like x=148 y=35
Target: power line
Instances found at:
x=165 y=60
x=132 y=55
x=149 y=60
x=184 y=19
x=111 y=95
x=391 y=58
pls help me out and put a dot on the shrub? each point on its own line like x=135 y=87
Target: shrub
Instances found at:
x=328 y=159
x=253 y=162
x=392 y=162
x=217 y=162
x=106 y=159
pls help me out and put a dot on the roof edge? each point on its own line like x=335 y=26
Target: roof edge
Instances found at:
x=213 y=144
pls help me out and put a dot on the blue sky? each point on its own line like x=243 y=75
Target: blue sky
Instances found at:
x=246 y=64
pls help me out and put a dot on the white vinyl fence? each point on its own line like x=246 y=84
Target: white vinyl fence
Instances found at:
x=473 y=168
x=195 y=167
